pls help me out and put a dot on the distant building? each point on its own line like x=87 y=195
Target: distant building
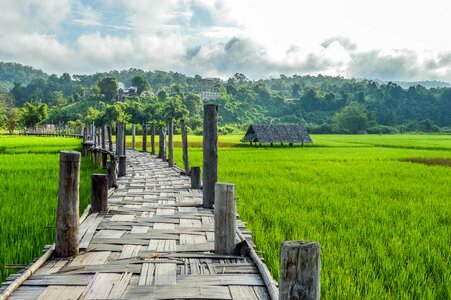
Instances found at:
x=277 y=133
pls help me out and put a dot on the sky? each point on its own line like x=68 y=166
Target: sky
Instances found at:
x=386 y=39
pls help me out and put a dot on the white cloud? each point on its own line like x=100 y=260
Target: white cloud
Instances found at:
x=391 y=40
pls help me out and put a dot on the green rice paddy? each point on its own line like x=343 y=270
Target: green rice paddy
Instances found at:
x=29 y=169
x=379 y=205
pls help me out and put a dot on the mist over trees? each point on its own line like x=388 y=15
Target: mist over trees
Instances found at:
x=323 y=104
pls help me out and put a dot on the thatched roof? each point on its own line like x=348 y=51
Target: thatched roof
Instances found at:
x=277 y=133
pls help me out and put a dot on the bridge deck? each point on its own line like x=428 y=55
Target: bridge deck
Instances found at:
x=156 y=242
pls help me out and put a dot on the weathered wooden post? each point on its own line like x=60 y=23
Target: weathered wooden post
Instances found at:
x=110 y=138
x=85 y=134
x=103 y=142
x=210 y=154
x=163 y=143
x=133 y=136
x=99 y=193
x=152 y=140
x=185 y=147
x=111 y=173
x=195 y=178
x=119 y=138
x=144 y=141
x=225 y=218
x=171 y=142
x=68 y=204
x=122 y=165
x=300 y=264
x=124 y=140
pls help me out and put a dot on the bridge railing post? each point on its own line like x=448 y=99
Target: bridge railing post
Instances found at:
x=195 y=178
x=144 y=137
x=99 y=193
x=67 y=225
x=225 y=218
x=133 y=136
x=300 y=264
x=122 y=165
x=185 y=147
x=210 y=154
x=171 y=142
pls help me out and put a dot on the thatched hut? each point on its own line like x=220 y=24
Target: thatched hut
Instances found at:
x=277 y=133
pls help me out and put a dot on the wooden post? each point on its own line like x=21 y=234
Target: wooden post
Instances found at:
x=103 y=142
x=93 y=133
x=225 y=218
x=185 y=147
x=85 y=134
x=119 y=137
x=99 y=137
x=144 y=142
x=99 y=193
x=104 y=159
x=124 y=140
x=163 y=143
x=300 y=270
x=84 y=150
x=110 y=138
x=111 y=173
x=210 y=154
x=133 y=136
x=171 y=143
x=152 y=139
x=122 y=165
x=195 y=178
x=68 y=205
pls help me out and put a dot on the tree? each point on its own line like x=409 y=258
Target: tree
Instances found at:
x=33 y=115
x=108 y=87
x=193 y=104
x=353 y=118
x=174 y=108
x=141 y=84
x=162 y=95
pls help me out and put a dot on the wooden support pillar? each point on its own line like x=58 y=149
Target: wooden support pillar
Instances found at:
x=103 y=141
x=170 y=142
x=225 y=218
x=110 y=138
x=163 y=143
x=85 y=147
x=104 y=159
x=144 y=133
x=152 y=140
x=99 y=137
x=85 y=134
x=93 y=132
x=68 y=205
x=119 y=139
x=111 y=173
x=210 y=154
x=99 y=193
x=124 y=140
x=300 y=264
x=195 y=178
x=133 y=136
x=185 y=147
x=122 y=165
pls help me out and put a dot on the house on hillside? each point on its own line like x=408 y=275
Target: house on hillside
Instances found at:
x=277 y=133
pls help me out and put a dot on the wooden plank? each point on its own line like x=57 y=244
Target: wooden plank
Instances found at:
x=90 y=258
x=161 y=245
x=130 y=251
x=27 y=293
x=120 y=218
x=190 y=239
x=51 y=266
x=106 y=286
x=61 y=292
x=147 y=274
x=140 y=229
x=90 y=232
x=65 y=280
x=163 y=226
x=106 y=233
x=240 y=292
x=165 y=274
x=176 y=292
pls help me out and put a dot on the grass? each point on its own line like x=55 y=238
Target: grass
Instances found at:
x=29 y=168
x=383 y=223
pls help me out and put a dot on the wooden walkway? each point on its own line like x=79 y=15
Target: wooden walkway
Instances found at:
x=155 y=242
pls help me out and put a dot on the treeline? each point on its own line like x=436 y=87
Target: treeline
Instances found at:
x=323 y=104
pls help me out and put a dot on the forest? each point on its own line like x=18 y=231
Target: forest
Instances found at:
x=323 y=104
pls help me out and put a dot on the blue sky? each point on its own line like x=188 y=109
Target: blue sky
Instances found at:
x=388 y=40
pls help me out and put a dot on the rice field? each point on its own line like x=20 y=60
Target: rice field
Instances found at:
x=29 y=168
x=384 y=222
